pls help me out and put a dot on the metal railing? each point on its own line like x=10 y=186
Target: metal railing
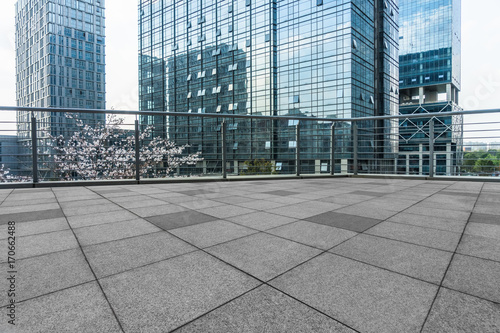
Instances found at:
x=56 y=144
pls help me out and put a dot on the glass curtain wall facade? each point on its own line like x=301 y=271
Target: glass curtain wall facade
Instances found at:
x=430 y=81
x=303 y=58
x=60 y=61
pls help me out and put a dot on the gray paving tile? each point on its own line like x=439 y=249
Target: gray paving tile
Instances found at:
x=35 y=245
x=36 y=227
x=373 y=212
x=196 y=192
x=262 y=255
x=344 y=221
x=444 y=213
x=485 y=218
x=491 y=209
x=91 y=209
x=12 y=203
x=196 y=203
x=261 y=220
x=158 y=210
x=139 y=203
x=429 y=222
x=121 y=255
x=472 y=195
x=264 y=310
x=48 y=273
x=226 y=211
x=113 y=231
x=163 y=296
x=31 y=216
x=474 y=276
x=484 y=230
x=81 y=309
x=281 y=193
x=88 y=220
x=179 y=220
x=304 y=210
x=84 y=203
x=211 y=233
x=313 y=234
x=27 y=207
x=261 y=204
x=364 y=297
x=478 y=246
x=369 y=193
x=413 y=260
x=77 y=197
x=438 y=239
x=455 y=312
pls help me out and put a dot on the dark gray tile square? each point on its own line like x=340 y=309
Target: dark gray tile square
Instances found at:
x=264 y=310
x=31 y=216
x=485 y=218
x=344 y=221
x=456 y=312
x=81 y=309
x=181 y=219
x=474 y=276
x=165 y=295
x=366 y=298
x=262 y=255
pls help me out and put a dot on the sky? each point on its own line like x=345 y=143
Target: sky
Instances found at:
x=480 y=50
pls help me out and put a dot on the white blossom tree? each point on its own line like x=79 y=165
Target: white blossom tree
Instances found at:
x=106 y=151
x=6 y=176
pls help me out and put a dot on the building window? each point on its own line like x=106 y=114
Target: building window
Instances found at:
x=216 y=90
x=230 y=87
x=201 y=74
x=189 y=95
x=201 y=92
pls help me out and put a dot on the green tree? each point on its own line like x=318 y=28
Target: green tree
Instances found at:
x=259 y=167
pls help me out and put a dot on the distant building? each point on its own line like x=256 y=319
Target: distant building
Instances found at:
x=429 y=82
x=60 y=62
x=307 y=58
x=9 y=153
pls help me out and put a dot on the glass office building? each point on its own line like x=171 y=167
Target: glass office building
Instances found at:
x=60 y=61
x=430 y=78
x=332 y=59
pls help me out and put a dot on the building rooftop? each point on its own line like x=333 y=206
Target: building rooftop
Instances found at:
x=309 y=255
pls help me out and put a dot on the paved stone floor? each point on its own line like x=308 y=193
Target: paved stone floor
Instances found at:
x=310 y=255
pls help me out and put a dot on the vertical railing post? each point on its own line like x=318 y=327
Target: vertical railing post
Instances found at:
x=355 y=148
x=224 y=130
x=297 y=149
x=431 y=148
x=137 y=153
x=34 y=149
x=332 y=150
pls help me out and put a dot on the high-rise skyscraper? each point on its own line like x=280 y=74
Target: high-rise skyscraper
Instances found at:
x=430 y=78
x=333 y=59
x=60 y=61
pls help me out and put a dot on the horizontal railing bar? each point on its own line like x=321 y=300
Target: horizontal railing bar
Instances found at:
x=244 y=116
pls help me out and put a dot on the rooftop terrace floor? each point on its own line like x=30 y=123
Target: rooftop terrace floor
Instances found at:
x=310 y=255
